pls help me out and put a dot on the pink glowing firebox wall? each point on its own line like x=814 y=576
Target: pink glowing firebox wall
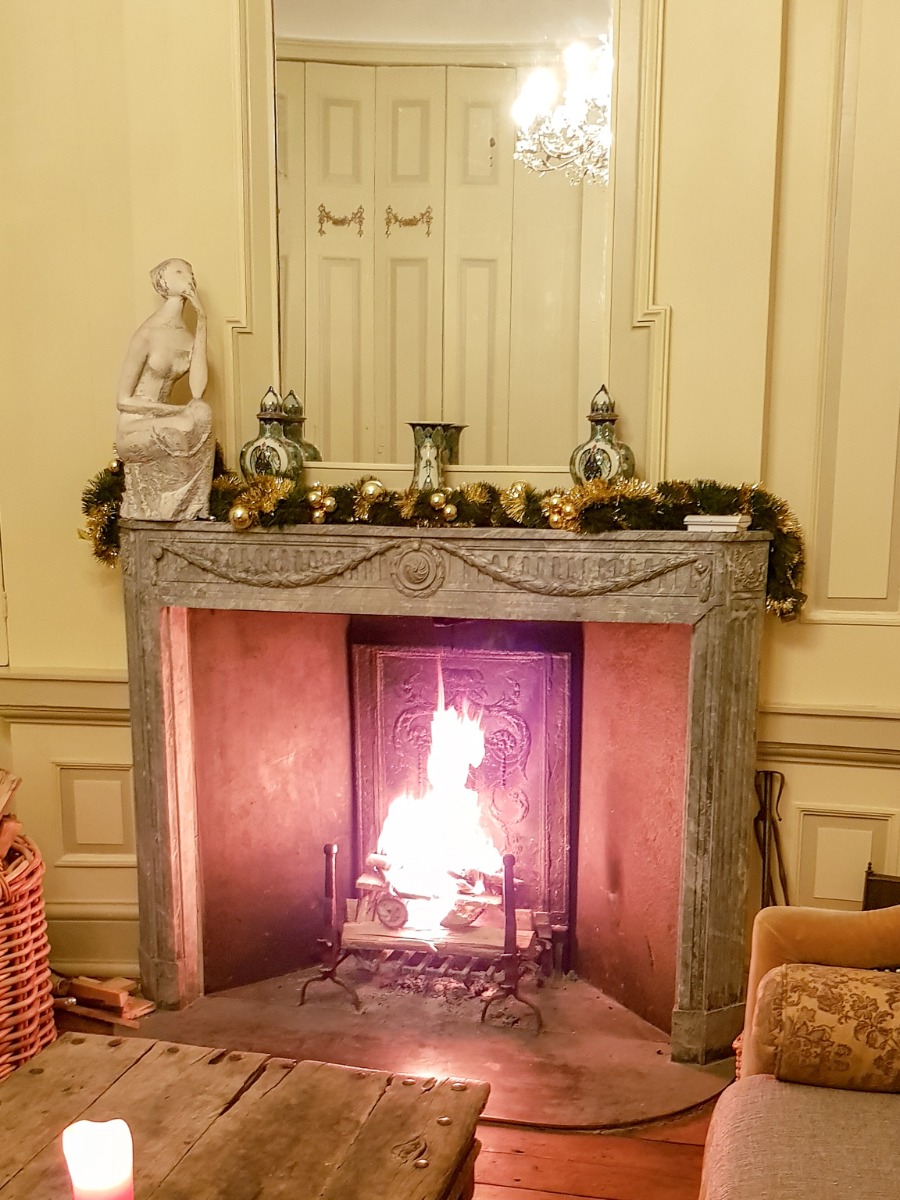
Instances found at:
x=268 y=715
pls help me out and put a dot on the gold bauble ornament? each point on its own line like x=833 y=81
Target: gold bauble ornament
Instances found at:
x=555 y=520
x=373 y=489
x=518 y=486
x=314 y=496
x=555 y=500
x=567 y=508
x=115 y=465
x=448 y=512
x=240 y=517
x=329 y=503
x=318 y=516
x=437 y=500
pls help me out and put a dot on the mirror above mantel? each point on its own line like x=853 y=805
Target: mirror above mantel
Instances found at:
x=425 y=275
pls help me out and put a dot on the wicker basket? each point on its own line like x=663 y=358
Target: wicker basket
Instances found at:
x=26 y=1002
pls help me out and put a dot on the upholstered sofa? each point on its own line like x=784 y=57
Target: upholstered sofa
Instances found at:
x=816 y=1111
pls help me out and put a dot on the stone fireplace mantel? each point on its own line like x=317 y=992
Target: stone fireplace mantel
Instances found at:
x=713 y=584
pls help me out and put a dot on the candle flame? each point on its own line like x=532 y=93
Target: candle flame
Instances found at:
x=99 y=1154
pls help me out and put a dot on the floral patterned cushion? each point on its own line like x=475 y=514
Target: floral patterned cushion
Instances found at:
x=830 y=1026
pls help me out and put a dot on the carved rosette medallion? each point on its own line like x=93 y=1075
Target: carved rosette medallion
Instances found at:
x=417 y=570
x=748 y=572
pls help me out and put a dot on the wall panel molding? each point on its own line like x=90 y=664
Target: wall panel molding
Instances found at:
x=254 y=361
x=399 y=54
x=855 y=580
x=841 y=756
x=93 y=910
x=834 y=846
x=648 y=312
x=64 y=700
x=845 y=736
x=839 y=767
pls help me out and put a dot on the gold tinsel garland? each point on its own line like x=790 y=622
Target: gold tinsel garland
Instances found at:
x=589 y=508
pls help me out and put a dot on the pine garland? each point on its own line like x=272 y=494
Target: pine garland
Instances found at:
x=590 y=508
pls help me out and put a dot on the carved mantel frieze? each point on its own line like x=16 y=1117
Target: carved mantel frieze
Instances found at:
x=639 y=573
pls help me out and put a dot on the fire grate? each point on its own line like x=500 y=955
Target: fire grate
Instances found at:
x=521 y=951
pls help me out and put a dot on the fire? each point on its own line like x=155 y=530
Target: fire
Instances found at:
x=430 y=841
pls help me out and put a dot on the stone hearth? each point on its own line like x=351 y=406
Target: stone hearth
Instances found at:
x=671 y=624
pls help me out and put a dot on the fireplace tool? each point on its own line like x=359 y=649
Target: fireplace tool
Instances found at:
x=769 y=786
x=510 y=962
x=332 y=956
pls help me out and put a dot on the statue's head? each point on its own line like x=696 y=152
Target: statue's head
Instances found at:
x=173 y=277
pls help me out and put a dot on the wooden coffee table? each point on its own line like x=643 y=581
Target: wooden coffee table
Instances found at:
x=229 y=1125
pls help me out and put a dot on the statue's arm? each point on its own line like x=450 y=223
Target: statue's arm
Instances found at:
x=199 y=370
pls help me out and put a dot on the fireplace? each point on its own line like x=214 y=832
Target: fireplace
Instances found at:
x=248 y=654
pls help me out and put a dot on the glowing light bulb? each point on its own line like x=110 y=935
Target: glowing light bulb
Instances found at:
x=99 y=1155
x=601 y=79
x=578 y=62
x=537 y=98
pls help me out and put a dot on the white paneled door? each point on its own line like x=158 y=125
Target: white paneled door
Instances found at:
x=425 y=274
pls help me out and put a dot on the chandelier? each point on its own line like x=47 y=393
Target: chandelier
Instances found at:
x=573 y=136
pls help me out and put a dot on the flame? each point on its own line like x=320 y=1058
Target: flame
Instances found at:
x=99 y=1157
x=427 y=838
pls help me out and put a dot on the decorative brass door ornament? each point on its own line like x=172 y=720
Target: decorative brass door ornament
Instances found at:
x=392 y=218
x=357 y=217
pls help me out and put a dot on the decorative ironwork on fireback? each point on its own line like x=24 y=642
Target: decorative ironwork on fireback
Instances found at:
x=520 y=792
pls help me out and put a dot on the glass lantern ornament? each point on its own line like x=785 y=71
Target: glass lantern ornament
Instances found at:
x=602 y=456
x=271 y=452
x=436 y=446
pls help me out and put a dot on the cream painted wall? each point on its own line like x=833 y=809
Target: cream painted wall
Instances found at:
x=131 y=132
x=753 y=323
x=462 y=22
x=123 y=131
x=755 y=316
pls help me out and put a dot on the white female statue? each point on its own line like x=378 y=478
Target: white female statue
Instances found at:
x=167 y=448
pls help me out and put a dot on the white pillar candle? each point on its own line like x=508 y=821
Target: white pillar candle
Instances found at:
x=99 y=1156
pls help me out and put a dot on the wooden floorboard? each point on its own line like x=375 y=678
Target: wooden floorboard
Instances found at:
x=690 y=1131
x=656 y=1163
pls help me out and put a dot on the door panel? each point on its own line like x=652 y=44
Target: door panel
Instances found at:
x=340 y=203
x=409 y=201
x=290 y=99
x=478 y=258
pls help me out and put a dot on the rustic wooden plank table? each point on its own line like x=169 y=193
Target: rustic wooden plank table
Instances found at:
x=229 y=1125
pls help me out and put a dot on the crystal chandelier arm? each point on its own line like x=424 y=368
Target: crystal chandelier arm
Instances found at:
x=574 y=136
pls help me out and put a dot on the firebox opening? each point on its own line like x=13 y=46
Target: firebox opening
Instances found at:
x=463 y=758
x=292 y=718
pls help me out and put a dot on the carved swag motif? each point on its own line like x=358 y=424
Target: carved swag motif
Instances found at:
x=418 y=568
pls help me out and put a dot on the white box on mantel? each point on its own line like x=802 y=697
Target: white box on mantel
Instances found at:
x=727 y=523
